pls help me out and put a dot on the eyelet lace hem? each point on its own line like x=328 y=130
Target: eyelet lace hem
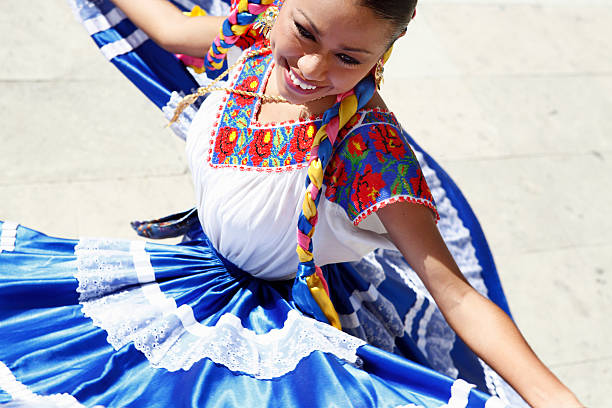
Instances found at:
x=22 y=396
x=117 y=276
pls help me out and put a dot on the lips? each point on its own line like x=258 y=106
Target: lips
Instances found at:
x=296 y=84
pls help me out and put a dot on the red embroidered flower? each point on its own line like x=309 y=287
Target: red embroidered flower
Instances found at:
x=261 y=146
x=247 y=39
x=420 y=187
x=366 y=188
x=225 y=143
x=282 y=151
x=250 y=84
x=387 y=140
x=356 y=145
x=335 y=176
x=301 y=142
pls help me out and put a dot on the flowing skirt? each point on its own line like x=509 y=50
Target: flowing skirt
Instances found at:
x=132 y=324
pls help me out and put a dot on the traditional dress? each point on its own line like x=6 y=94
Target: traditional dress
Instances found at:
x=211 y=322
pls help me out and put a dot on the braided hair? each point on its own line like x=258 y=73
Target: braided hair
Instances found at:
x=310 y=292
x=239 y=21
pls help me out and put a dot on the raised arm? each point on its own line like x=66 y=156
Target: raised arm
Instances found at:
x=483 y=326
x=170 y=28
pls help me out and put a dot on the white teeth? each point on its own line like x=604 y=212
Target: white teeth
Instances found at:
x=299 y=83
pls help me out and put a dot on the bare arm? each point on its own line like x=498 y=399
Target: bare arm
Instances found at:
x=170 y=28
x=483 y=326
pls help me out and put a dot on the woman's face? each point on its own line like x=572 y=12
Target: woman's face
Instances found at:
x=324 y=48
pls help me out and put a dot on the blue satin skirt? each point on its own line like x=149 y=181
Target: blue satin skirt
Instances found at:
x=131 y=324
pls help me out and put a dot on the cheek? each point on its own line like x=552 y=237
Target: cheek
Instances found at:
x=345 y=80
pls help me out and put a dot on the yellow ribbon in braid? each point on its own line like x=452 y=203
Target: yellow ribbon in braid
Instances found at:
x=305 y=255
x=315 y=173
x=319 y=294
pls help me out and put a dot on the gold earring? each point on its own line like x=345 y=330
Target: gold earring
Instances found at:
x=378 y=73
x=265 y=21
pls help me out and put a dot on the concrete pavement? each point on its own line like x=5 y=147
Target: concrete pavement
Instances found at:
x=513 y=98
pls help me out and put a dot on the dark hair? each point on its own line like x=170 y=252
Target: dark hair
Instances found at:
x=398 y=12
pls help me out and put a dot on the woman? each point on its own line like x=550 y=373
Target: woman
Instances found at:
x=187 y=326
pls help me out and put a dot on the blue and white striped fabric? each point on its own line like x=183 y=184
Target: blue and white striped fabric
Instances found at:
x=156 y=72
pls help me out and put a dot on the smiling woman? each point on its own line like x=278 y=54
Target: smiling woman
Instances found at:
x=293 y=148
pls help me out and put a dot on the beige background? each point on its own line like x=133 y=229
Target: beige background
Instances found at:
x=513 y=98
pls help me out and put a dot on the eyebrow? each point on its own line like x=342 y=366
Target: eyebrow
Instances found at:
x=318 y=33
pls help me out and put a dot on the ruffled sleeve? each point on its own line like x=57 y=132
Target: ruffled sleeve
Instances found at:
x=374 y=166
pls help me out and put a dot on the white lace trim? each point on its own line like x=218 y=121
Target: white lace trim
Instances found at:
x=460 y=392
x=117 y=276
x=495 y=402
x=8 y=236
x=22 y=396
x=497 y=386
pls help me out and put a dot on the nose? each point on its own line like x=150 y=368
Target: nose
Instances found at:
x=312 y=67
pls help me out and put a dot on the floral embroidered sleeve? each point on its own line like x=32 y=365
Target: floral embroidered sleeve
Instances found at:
x=373 y=166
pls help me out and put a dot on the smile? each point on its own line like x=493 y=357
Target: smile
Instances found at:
x=296 y=81
x=296 y=85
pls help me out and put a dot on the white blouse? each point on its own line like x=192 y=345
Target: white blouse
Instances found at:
x=250 y=212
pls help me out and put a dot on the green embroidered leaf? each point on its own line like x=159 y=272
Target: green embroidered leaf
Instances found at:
x=241 y=121
x=357 y=160
x=396 y=187
x=407 y=186
x=275 y=162
x=278 y=138
x=241 y=141
x=352 y=211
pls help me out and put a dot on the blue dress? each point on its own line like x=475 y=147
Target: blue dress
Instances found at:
x=123 y=323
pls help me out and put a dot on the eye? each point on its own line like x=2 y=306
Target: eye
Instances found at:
x=345 y=59
x=304 y=32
